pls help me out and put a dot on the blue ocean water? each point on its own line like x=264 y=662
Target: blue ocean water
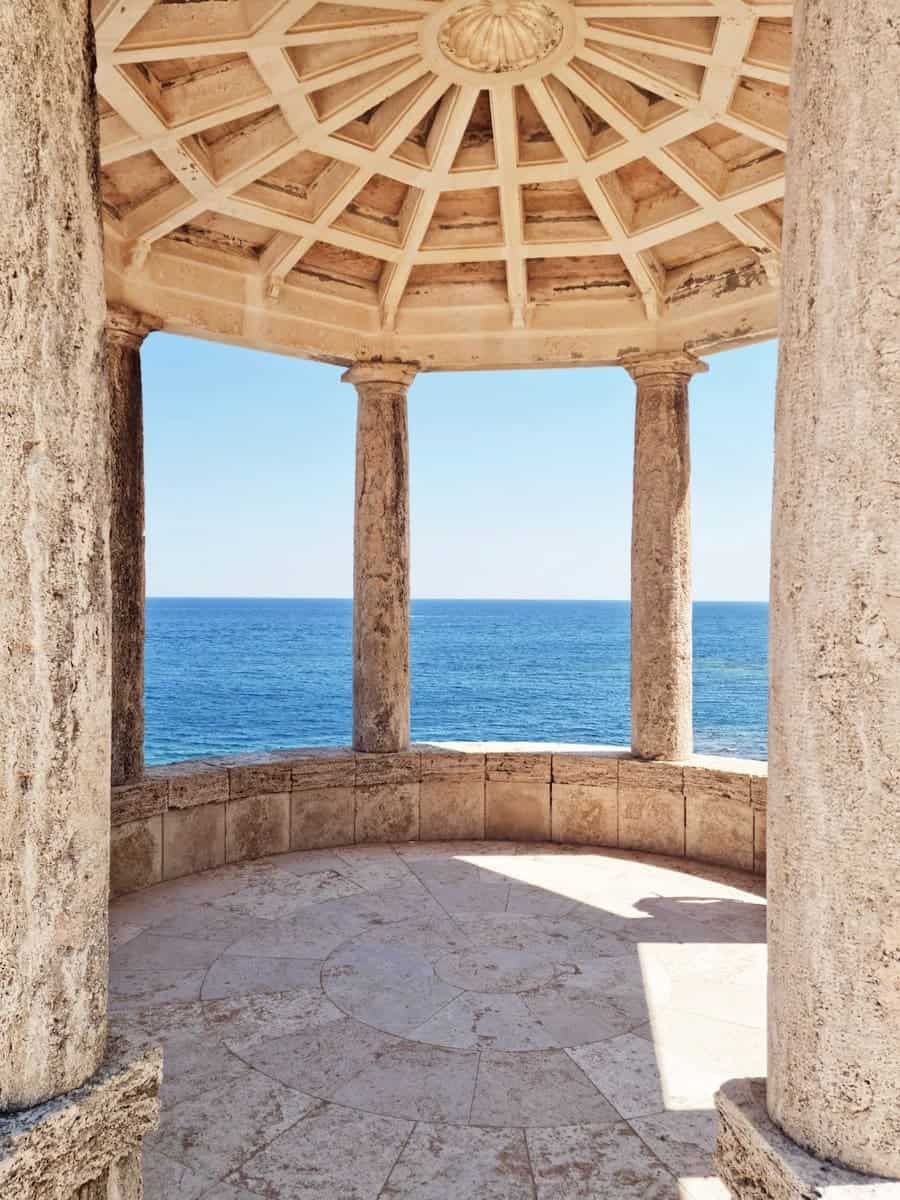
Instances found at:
x=235 y=675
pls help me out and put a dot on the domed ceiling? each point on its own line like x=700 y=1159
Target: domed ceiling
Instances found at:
x=462 y=183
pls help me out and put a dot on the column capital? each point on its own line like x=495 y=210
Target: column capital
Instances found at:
x=125 y=326
x=400 y=373
x=663 y=362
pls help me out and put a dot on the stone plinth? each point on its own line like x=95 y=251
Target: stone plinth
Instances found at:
x=758 y=1162
x=86 y=1144
x=54 y=560
x=661 y=650
x=381 y=559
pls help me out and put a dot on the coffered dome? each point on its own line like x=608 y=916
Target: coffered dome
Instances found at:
x=456 y=182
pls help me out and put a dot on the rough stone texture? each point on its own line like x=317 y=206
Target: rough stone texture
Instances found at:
x=451 y=808
x=756 y=1160
x=529 y=768
x=330 y=767
x=634 y=774
x=387 y=812
x=711 y=784
x=322 y=817
x=262 y=774
x=388 y=768
x=381 y=559
x=586 y=768
x=256 y=826
x=135 y=855
x=661 y=558
x=144 y=798
x=193 y=840
x=719 y=829
x=448 y=764
x=192 y=783
x=584 y=813
x=834 y=852
x=58 y=1149
x=517 y=811
x=125 y=330
x=54 y=559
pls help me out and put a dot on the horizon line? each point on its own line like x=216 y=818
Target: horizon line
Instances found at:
x=459 y=599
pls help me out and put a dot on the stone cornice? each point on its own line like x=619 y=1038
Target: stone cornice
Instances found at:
x=663 y=362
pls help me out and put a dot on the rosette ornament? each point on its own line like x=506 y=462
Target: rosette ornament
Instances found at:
x=500 y=35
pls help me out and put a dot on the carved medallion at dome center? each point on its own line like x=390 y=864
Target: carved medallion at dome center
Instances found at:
x=500 y=35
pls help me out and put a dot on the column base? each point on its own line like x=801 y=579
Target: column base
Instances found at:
x=86 y=1145
x=756 y=1161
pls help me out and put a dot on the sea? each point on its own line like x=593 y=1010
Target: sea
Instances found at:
x=235 y=675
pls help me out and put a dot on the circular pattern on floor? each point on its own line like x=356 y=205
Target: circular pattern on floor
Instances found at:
x=418 y=1021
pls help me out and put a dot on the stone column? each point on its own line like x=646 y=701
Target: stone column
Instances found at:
x=55 y=634
x=381 y=559
x=54 y=561
x=661 y=723
x=125 y=331
x=834 y=719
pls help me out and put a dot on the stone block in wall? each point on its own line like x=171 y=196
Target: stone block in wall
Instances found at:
x=450 y=764
x=323 y=767
x=404 y=767
x=759 y=791
x=651 y=819
x=597 y=770
x=88 y=1141
x=135 y=855
x=193 y=840
x=719 y=828
x=585 y=814
x=258 y=775
x=256 y=826
x=520 y=766
x=759 y=841
x=451 y=808
x=192 y=784
x=517 y=811
x=387 y=812
x=714 y=784
x=651 y=807
x=323 y=817
x=136 y=801
x=637 y=773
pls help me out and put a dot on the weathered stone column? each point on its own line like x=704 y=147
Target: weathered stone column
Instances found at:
x=834 y=719
x=661 y=724
x=54 y=630
x=381 y=559
x=125 y=331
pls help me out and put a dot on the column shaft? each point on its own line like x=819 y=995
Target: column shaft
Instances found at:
x=124 y=333
x=54 y=560
x=661 y=663
x=381 y=560
x=834 y=742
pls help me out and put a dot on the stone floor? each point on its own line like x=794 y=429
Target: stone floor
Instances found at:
x=443 y=1022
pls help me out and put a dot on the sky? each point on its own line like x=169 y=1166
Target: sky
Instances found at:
x=520 y=481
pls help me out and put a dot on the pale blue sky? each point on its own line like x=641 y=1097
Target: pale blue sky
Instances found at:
x=520 y=480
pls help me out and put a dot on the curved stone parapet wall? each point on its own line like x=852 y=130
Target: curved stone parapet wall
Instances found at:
x=191 y=816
